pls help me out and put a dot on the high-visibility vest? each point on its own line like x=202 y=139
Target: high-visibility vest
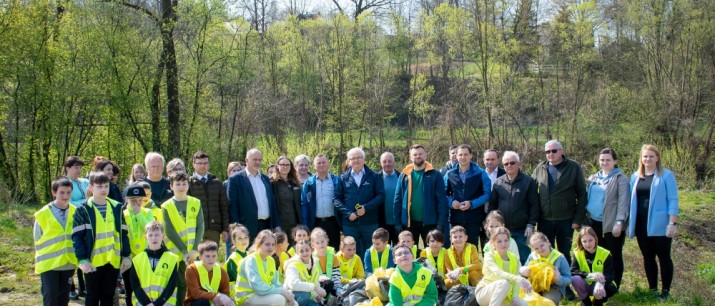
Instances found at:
x=158 y=216
x=598 y=261
x=383 y=261
x=107 y=245
x=266 y=271
x=54 y=249
x=236 y=258
x=439 y=265
x=411 y=295
x=153 y=282
x=136 y=232
x=347 y=267
x=311 y=277
x=329 y=263
x=466 y=259
x=185 y=227
x=414 y=252
x=553 y=256
x=209 y=286
x=512 y=270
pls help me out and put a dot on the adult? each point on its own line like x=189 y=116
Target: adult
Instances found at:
x=562 y=192
x=411 y=283
x=420 y=201
x=389 y=180
x=452 y=160
x=250 y=197
x=108 y=167
x=286 y=189
x=515 y=196
x=609 y=199
x=160 y=185
x=654 y=216
x=232 y=168
x=73 y=169
x=302 y=163
x=490 y=157
x=210 y=191
x=358 y=197
x=175 y=165
x=317 y=209
x=468 y=188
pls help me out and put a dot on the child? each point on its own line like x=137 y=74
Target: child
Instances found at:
x=411 y=283
x=206 y=282
x=138 y=174
x=406 y=238
x=593 y=269
x=463 y=262
x=379 y=255
x=240 y=237
x=543 y=252
x=301 y=278
x=154 y=269
x=501 y=281
x=258 y=271
x=299 y=233
x=350 y=263
x=184 y=224
x=329 y=263
x=149 y=203
x=136 y=219
x=280 y=256
x=435 y=253
x=54 y=259
x=494 y=220
x=100 y=242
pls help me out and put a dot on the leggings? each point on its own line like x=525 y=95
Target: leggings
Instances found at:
x=652 y=247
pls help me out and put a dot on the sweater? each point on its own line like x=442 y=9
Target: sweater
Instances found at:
x=194 y=291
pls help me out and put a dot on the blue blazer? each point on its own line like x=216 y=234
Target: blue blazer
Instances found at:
x=308 y=202
x=242 y=202
x=663 y=203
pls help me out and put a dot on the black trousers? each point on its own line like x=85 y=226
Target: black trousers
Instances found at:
x=101 y=285
x=560 y=235
x=56 y=287
x=652 y=247
x=419 y=229
x=126 y=276
x=613 y=244
x=472 y=228
x=330 y=225
x=80 y=281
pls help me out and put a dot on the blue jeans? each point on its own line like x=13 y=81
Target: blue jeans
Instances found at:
x=303 y=299
x=362 y=235
x=522 y=244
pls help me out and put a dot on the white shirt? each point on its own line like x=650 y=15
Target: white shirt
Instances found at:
x=259 y=192
x=492 y=175
x=357 y=176
x=324 y=191
x=201 y=178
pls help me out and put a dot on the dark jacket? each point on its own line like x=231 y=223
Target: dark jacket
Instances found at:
x=296 y=203
x=433 y=196
x=115 y=193
x=164 y=188
x=566 y=200
x=308 y=201
x=476 y=189
x=517 y=200
x=370 y=194
x=84 y=225
x=214 y=201
x=242 y=202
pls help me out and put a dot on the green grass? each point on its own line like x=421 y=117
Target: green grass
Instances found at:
x=17 y=273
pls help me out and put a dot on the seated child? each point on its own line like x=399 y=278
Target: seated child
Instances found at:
x=301 y=278
x=329 y=263
x=407 y=239
x=379 y=255
x=543 y=252
x=434 y=252
x=351 y=267
x=593 y=273
x=494 y=220
x=463 y=262
x=241 y=240
x=206 y=282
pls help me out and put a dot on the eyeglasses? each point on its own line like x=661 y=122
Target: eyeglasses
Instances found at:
x=283 y=165
x=356 y=158
x=403 y=254
x=511 y=163
x=552 y=151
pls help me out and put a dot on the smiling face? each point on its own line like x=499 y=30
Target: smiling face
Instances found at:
x=434 y=245
x=491 y=225
x=379 y=244
x=387 y=162
x=155 y=168
x=321 y=165
x=74 y=172
x=649 y=159
x=301 y=167
x=464 y=157
x=62 y=195
x=301 y=235
x=357 y=161
x=304 y=252
x=241 y=241
x=108 y=170
x=403 y=258
x=320 y=245
x=607 y=162
x=458 y=239
x=541 y=247
x=589 y=243
x=268 y=247
x=502 y=242
x=348 y=250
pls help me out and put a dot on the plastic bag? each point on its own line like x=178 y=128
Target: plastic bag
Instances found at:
x=535 y=299
x=377 y=285
x=461 y=295
x=542 y=276
x=373 y=302
x=356 y=297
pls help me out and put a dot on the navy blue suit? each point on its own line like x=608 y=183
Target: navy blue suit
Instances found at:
x=242 y=202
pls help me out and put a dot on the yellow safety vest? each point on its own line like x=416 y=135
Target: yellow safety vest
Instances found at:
x=440 y=260
x=266 y=272
x=136 y=232
x=311 y=277
x=329 y=261
x=158 y=216
x=414 y=252
x=209 y=286
x=411 y=295
x=291 y=251
x=347 y=267
x=236 y=258
x=598 y=261
x=54 y=249
x=512 y=270
x=553 y=256
x=383 y=261
x=107 y=245
x=185 y=227
x=153 y=282
x=466 y=259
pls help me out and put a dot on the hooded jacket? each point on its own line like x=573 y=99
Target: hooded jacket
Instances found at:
x=433 y=197
x=617 y=200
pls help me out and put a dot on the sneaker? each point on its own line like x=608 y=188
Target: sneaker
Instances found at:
x=120 y=286
x=74 y=296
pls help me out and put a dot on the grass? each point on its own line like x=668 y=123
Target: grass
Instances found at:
x=693 y=253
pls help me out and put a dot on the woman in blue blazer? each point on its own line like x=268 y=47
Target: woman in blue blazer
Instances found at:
x=653 y=216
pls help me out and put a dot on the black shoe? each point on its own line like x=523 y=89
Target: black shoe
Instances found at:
x=664 y=295
x=74 y=296
x=83 y=293
x=570 y=295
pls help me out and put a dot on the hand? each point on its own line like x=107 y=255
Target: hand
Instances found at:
x=525 y=271
x=361 y=211
x=126 y=264
x=454 y=274
x=217 y=300
x=526 y=285
x=670 y=231
x=224 y=235
x=465 y=206
x=352 y=217
x=226 y=300
x=87 y=267
x=456 y=204
x=575 y=226
x=136 y=208
x=617 y=229
x=528 y=232
x=289 y=297
x=599 y=292
x=320 y=291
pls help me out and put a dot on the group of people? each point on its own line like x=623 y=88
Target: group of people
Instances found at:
x=282 y=232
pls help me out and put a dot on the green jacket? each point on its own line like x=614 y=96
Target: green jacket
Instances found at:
x=567 y=199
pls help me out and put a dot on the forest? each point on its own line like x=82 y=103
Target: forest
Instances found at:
x=120 y=78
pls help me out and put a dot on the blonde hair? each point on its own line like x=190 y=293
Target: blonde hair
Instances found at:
x=318 y=233
x=347 y=240
x=641 y=167
x=154 y=226
x=232 y=165
x=457 y=229
x=405 y=234
x=498 y=231
x=261 y=239
x=538 y=236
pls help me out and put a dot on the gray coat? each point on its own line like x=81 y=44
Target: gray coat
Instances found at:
x=616 y=201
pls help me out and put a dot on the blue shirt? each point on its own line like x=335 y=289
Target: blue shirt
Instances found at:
x=79 y=189
x=597 y=193
x=324 y=191
x=357 y=176
x=390 y=182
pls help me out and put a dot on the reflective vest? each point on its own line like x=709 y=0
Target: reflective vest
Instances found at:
x=382 y=263
x=236 y=258
x=153 y=282
x=311 y=277
x=185 y=227
x=598 y=261
x=553 y=256
x=329 y=264
x=411 y=295
x=414 y=252
x=439 y=265
x=347 y=267
x=107 y=246
x=54 y=249
x=466 y=259
x=291 y=251
x=209 y=286
x=136 y=232
x=266 y=271
x=512 y=270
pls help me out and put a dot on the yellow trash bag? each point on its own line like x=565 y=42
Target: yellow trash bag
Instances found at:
x=374 y=302
x=377 y=285
x=535 y=299
x=542 y=276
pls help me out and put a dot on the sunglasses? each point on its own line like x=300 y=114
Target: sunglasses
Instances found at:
x=553 y=151
x=511 y=163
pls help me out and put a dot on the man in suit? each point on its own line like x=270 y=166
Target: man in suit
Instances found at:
x=250 y=197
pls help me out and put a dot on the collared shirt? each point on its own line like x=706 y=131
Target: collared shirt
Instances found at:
x=324 y=191
x=463 y=175
x=357 y=176
x=259 y=192
x=492 y=175
x=203 y=178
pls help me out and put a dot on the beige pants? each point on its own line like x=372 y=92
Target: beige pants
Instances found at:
x=266 y=300
x=495 y=294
